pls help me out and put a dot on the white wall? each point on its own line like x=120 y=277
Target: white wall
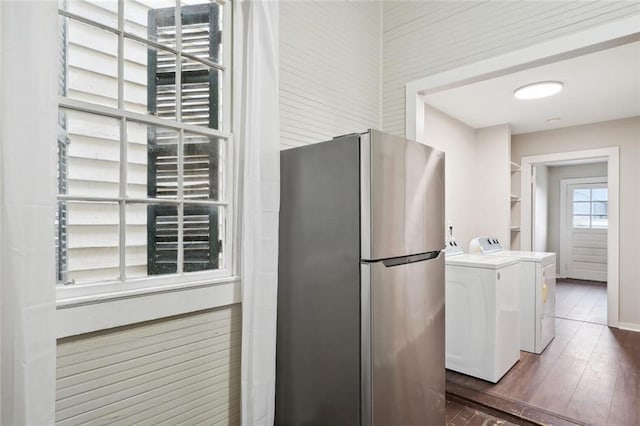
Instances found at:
x=625 y=134
x=476 y=176
x=491 y=184
x=540 y=215
x=556 y=173
x=330 y=62
x=423 y=38
x=457 y=140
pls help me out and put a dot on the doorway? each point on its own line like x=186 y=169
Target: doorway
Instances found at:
x=610 y=157
x=581 y=290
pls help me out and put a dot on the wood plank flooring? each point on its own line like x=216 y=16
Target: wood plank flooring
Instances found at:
x=582 y=300
x=507 y=409
x=589 y=372
x=458 y=414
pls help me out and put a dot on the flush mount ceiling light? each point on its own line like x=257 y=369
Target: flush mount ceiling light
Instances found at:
x=538 y=90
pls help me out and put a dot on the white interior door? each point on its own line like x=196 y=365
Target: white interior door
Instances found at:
x=584 y=234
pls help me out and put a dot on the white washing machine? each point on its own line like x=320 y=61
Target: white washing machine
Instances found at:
x=537 y=292
x=482 y=332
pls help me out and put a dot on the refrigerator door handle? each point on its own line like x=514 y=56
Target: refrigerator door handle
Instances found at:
x=403 y=260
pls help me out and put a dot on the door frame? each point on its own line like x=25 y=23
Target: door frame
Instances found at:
x=564 y=244
x=611 y=156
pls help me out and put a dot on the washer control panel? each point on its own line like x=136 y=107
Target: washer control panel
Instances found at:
x=485 y=245
x=452 y=248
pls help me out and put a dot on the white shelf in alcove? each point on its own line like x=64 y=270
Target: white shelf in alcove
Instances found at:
x=515 y=167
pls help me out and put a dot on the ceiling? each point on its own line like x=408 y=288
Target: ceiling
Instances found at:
x=599 y=86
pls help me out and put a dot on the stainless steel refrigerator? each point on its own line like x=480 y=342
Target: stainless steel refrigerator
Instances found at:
x=360 y=337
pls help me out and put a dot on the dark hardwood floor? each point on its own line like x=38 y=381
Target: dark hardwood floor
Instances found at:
x=582 y=300
x=589 y=372
x=458 y=414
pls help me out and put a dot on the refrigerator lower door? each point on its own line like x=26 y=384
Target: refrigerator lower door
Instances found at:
x=403 y=370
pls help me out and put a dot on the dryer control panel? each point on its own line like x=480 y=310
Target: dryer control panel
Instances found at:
x=485 y=245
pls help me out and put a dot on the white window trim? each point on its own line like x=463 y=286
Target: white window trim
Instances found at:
x=87 y=317
x=80 y=306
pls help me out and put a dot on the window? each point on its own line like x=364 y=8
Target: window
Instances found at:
x=144 y=142
x=590 y=207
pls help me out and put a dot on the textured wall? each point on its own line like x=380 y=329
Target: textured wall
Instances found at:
x=329 y=69
x=179 y=370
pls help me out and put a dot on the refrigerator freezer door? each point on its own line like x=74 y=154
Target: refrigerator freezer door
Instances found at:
x=402 y=193
x=404 y=370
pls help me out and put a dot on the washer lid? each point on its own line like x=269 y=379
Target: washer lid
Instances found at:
x=480 y=261
x=527 y=256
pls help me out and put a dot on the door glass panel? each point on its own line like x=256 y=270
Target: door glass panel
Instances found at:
x=581 y=194
x=599 y=208
x=580 y=221
x=599 y=222
x=590 y=207
x=599 y=194
x=581 y=208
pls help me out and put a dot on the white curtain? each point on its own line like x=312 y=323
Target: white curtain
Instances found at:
x=28 y=122
x=259 y=139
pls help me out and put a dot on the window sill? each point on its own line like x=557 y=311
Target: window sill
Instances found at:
x=98 y=292
x=93 y=312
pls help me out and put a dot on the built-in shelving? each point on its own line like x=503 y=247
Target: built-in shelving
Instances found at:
x=515 y=206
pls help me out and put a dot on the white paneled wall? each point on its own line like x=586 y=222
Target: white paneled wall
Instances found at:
x=425 y=38
x=181 y=370
x=329 y=69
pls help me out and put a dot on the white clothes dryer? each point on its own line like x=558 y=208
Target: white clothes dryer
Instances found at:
x=482 y=332
x=537 y=291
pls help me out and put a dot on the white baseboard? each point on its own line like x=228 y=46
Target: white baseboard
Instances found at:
x=629 y=326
